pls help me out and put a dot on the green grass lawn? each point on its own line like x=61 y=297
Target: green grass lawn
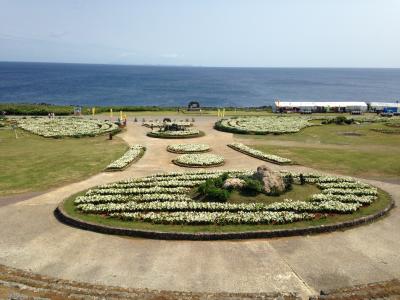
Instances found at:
x=32 y=163
x=345 y=149
x=349 y=135
x=183 y=115
x=378 y=205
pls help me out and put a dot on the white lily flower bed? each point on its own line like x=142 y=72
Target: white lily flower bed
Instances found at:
x=165 y=199
x=150 y=124
x=188 y=132
x=188 y=148
x=133 y=154
x=66 y=126
x=264 y=125
x=199 y=160
x=259 y=154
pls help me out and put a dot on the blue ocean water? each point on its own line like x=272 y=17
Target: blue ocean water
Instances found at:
x=84 y=84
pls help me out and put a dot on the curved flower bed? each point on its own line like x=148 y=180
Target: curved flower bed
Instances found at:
x=165 y=199
x=188 y=148
x=264 y=125
x=66 y=126
x=153 y=124
x=259 y=154
x=187 y=133
x=199 y=160
x=133 y=154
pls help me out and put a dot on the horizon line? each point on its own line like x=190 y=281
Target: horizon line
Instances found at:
x=191 y=66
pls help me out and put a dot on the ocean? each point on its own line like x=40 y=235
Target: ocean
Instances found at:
x=91 y=85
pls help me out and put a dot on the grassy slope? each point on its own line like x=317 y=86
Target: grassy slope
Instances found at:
x=371 y=154
x=380 y=204
x=33 y=163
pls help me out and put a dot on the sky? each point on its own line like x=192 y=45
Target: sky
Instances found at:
x=240 y=33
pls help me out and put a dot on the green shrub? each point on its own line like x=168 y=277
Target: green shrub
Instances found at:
x=204 y=187
x=339 y=120
x=274 y=192
x=212 y=189
x=252 y=186
x=302 y=179
x=288 y=181
x=217 y=195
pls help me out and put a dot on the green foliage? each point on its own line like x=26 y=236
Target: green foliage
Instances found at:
x=218 y=194
x=212 y=190
x=339 y=120
x=288 y=181
x=302 y=179
x=274 y=192
x=36 y=109
x=132 y=108
x=252 y=186
x=204 y=187
x=43 y=109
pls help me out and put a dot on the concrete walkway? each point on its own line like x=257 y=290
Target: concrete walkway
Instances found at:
x=32 y=239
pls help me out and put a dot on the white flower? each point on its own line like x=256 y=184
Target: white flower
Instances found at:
x=264 y=125
x=186 y=132
x=165 y=198
x=259 y=154
x=161 y=124
x=199 y=159
x=66 y=126
x=131 y=155
x=188 y=148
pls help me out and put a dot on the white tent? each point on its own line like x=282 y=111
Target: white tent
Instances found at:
x=321 y=105
x=381 y=105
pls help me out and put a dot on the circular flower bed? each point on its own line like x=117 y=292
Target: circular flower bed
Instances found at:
x=199 y=160
x=170 y=134
x=264 y=125
x=188 y=148
x=168 y=199
x=66 y=126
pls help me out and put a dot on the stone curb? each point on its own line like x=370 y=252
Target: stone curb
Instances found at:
x=63 y=217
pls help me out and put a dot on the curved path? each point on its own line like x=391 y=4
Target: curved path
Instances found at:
x=32 y=239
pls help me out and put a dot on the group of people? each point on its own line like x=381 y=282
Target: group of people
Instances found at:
x=51 y=115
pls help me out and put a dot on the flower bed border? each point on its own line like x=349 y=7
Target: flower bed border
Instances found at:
x=200 y=134
x=77 y=136
x=188 y=152
x=197 y=166
x=218 y=126
x=63 y=217
x=142 y=152
x=264 y=159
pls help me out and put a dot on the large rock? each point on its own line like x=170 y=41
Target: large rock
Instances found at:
x=234 y=183
x=273 y=181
